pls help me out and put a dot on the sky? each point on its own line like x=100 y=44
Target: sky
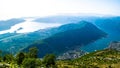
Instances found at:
x=40 y=8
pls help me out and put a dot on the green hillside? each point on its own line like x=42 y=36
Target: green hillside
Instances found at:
x=100 y=59
x=107 y=58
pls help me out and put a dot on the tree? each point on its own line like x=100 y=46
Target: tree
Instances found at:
x=8 y=58
x=49 y=60
x=20 y=57
x=33 y=52
x=31 y=63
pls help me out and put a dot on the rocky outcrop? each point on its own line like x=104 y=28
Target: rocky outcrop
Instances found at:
x=115 y=45
x=72 y=54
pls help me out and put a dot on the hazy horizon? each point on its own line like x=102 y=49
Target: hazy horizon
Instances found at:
x=34 y=8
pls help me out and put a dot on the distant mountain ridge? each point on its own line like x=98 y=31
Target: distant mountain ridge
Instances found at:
x=26 y=26
x=70 y=39
x=4 y=25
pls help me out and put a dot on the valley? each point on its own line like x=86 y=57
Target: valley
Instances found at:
x=72 y=41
